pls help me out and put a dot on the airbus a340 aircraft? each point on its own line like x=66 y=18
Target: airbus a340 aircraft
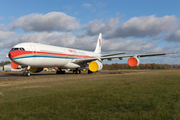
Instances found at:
x=35 y=56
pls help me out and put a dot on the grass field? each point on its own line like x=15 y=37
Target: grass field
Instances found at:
x=141 y=95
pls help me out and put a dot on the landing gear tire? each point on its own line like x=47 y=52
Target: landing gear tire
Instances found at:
x=76 y=71
x=90 y=72
x=60 y=72
x=26 y=74
x=26 y=71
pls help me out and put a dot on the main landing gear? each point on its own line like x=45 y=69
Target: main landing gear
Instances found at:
x=79 y=71
x=26 y=72
x=59 y=71
x=90 y=72
x=76 y=71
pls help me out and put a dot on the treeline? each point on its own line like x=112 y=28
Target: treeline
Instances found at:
x=141 y=66
x=117 y=66
x=4 y=63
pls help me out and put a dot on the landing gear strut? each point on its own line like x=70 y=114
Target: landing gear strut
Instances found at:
x=90 y=72
x=26 y=71
x=59 y=71
x=76 y=71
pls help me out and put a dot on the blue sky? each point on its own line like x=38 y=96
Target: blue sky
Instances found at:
x=133 y=26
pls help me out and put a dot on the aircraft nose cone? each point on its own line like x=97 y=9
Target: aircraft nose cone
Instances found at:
x=9 y=55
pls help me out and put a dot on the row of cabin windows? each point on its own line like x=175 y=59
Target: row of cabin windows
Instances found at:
x=21 y=49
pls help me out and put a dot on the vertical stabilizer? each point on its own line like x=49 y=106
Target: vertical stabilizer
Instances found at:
x=99 y=44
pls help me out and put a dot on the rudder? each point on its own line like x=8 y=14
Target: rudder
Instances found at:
x=99 y=44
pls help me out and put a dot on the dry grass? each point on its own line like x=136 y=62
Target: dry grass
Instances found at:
x=138 y=95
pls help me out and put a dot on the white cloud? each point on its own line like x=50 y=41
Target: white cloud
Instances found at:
x=51 y=21
x=54 y=38
x=73 y=41
x=127 y=45
x=157 y=50
x=4 y=33
x=175 y=37
x=146 y=26
x=167 y=49
x=3 y=54
x=70 y=40
x=98 y=26
x=87 y=5
x=3 y=28
x=80 y=35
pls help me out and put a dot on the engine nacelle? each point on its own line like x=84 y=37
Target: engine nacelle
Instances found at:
x=95 y=66
x=15 y=66
x=133 y=61
x=35 y=69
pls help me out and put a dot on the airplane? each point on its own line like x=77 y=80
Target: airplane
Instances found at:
x=35 y=56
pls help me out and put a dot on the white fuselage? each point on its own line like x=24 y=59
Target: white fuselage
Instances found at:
x=40 y=55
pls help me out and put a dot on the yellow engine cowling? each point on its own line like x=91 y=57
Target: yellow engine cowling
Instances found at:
x=133 y=61
x=95 y=66
x=35 y=69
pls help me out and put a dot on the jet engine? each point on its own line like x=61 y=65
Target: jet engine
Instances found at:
x=95 y=66
x=35 y=69
x=15 y=66
x=133 y=61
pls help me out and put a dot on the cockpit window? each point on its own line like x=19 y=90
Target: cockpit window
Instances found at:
x=20 y=49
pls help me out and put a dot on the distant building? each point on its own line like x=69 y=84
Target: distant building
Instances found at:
x=1 y=68
x=9 y=68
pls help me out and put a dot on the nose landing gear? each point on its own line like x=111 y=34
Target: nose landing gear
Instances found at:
x=26 y=72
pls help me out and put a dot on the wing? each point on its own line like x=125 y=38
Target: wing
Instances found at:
x=112 y=54
x=86 y=60
x=138 y=55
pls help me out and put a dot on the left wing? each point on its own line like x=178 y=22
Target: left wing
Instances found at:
x=81 y=61
x=138 y=55
x=112 y=54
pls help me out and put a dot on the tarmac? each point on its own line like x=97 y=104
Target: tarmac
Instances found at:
x=16 y=75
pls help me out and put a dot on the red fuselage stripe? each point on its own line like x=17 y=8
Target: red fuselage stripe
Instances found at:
x=23 y=53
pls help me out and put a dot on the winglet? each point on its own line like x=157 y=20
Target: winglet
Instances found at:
x=99 y=44
x=175 y=51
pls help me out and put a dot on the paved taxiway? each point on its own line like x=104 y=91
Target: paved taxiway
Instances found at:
x=16 y=75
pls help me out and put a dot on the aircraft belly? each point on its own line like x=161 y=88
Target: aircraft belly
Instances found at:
x=24 y=61
x=50 y=62
x=17 y=61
